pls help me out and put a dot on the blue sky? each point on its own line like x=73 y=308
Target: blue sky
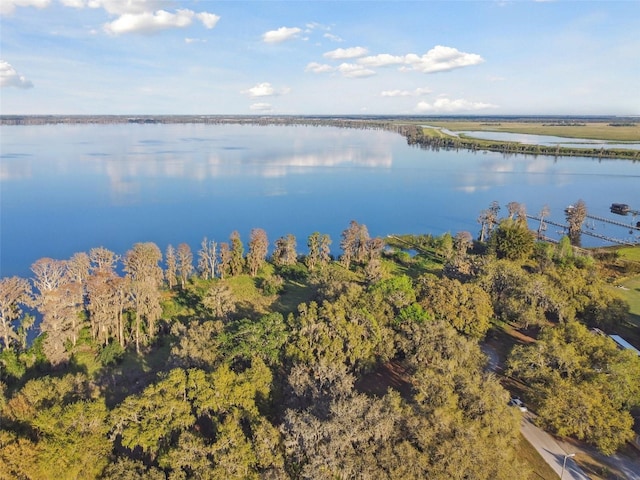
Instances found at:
x=319 y=57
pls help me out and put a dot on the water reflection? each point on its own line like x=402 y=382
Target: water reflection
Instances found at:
x=68 y=188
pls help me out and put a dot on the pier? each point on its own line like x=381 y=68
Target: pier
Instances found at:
x=543 y=221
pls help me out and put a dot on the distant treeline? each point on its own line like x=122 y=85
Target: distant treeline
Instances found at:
x=416 y=136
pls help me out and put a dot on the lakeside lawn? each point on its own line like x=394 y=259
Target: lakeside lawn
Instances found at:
x=591 y=130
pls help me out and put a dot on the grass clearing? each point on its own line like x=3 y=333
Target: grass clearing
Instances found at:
x=539 y=469
x=630 y=253
x=591 y=130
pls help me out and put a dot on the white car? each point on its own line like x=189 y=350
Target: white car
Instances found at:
x=516 y=402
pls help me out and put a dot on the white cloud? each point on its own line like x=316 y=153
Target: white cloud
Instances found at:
x=74 y=3
x=406 y=93
x=332 y=37
x=148 y=22
x=194 y=40
x=280 y=35
x=260 y=90
x=151 y=22
x=319 y=68
x=382 y=60
x=7 y=7
x=209 y=20
x=121 y=7
x=441 y=59
x=351 y=70
x=9 y=77
x=265 y=89
x=438 y=59
x=343 y=53
x=261 y=107
x=446 y=105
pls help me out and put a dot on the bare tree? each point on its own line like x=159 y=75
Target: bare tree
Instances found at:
x=575 y=215
x=354 y=243
x=488 y=219
x=145 y=276
x=14 y=293
x=219 y=300
x=225 y=260
x=207 y=259
x=258 y=248
x=185 y=263
x=325 y=249
x=171 y=262
x=78 y=267
x=103 y=260
x=49 y=274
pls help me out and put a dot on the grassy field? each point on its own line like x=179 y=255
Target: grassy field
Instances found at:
x=593 y=130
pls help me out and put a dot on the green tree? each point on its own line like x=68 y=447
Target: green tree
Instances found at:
x=236 y=261
x=150 y=420
x=466 y=307
x=583 y=385
x=512 y=240
x=284 y=253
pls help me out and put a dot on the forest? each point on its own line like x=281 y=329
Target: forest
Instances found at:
x=259 y=361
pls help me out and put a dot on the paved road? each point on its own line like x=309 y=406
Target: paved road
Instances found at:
x=549 y=449
x=547 y=446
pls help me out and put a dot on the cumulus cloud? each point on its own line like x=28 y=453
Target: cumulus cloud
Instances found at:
x=9 y=77
x=151 y=22
x=260 y=90
x=118 y=7
x=344 y=53
x=261 y=107
x=438 y=59
x=349 y=70
x=7 y=7
x=441 y=59
x=319 y=68
x=406 y=93
x=209 y=20
x=382 y=60
x=280 y=35
x=265 y=89
x=446 y=105
x=352 y=70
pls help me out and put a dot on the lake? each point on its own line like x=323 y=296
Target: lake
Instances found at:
x=68 y=188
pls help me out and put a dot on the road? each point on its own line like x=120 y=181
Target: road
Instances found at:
x=548 y=448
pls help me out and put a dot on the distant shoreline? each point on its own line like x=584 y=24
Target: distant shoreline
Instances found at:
x=606 y=128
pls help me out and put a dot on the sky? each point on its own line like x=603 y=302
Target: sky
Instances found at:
x=382 y=57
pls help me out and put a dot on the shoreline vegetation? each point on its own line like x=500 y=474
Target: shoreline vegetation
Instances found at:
x=607 y=128
x=260 y=365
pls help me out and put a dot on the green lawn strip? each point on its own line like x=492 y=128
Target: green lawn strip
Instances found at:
x=594 y=131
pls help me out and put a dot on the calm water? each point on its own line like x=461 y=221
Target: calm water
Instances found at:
x=66 y=188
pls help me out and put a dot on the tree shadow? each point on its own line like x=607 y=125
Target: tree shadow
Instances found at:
x=134 y=372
